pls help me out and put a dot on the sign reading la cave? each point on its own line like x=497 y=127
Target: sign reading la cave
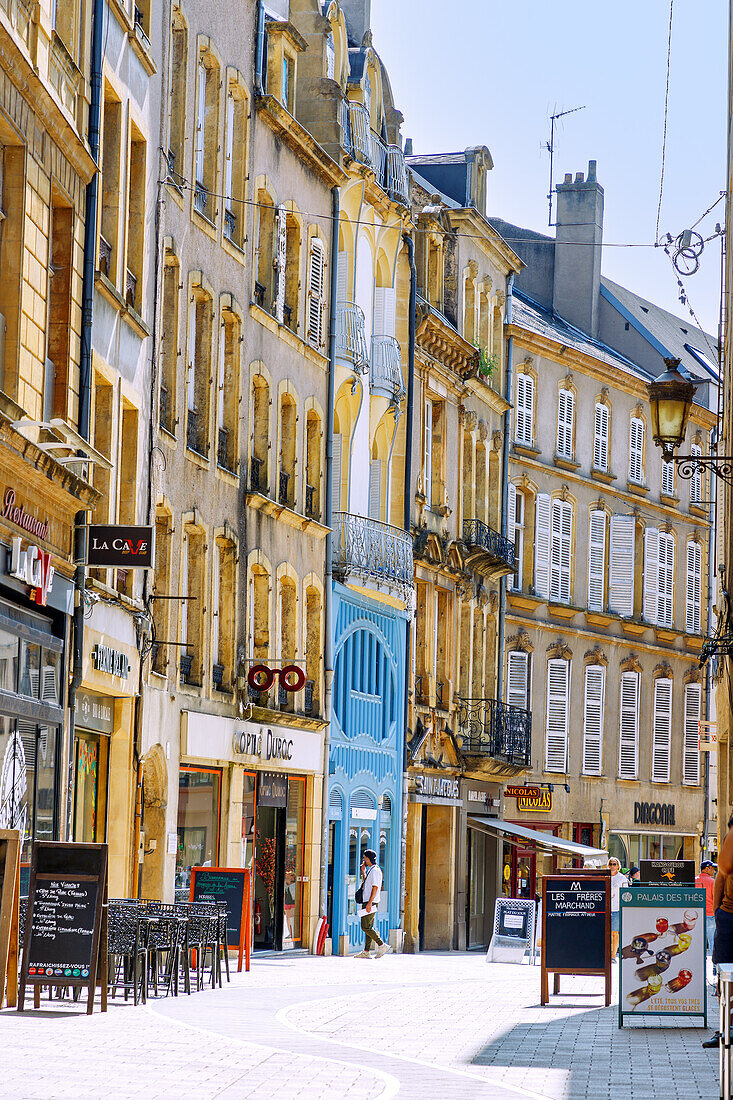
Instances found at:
x=120 y=546
x=32 y=567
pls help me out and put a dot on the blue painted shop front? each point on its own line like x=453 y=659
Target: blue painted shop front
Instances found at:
x=366 y=759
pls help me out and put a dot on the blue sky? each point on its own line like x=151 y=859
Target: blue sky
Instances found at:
x=483 y=72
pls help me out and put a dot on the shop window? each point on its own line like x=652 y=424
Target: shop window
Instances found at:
x=169 y=343
x=313 y=439
x=160 y=604
x=223 y=619
x=249 y=809
x=293 y=871
x=179 y=68
x=313 y=651
x=316 y=285
x=110 y=198
x=90 y=788
x=199 y=817
x=260 y=440
x=127 y=471
x=286 y=493
x=135 y=221
x=292 y=273
x=264 y=269
x=208 y=83
x=56 y=378
x=199 y=372
x=230 y=343
x=235 y=165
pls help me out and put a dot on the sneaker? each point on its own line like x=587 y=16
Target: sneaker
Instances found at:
x=383 y=949
x=714 y=1041
x=364 y=955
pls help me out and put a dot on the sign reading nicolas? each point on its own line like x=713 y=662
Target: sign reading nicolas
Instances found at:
x=120 y=546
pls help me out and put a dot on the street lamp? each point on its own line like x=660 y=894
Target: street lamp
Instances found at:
x=670 y=396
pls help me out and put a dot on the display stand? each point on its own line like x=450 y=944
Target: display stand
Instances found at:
x=576 y=928
x=514 y=931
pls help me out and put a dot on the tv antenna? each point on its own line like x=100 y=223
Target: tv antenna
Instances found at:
x=550 y=146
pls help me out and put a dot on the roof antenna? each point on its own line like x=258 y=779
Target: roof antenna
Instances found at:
x=550 y=146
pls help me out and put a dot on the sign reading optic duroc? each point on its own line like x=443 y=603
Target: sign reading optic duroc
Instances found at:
x=120 y=546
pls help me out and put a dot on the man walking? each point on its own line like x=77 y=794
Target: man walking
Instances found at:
x=723 y=909
x=705 y=881
x=371 y=885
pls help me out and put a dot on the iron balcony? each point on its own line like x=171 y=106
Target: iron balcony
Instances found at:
x=386 y=161
x=496 y=731
x=386 y=368
x=351 y=342
x=367 y=550
x=487 y=552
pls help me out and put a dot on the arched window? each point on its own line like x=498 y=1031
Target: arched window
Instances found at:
x=292 y=273
x=235 y=164
x=169 y=343
x=193 y=566
x=313 y=651
x=264 y=272
x=162 y=589
x=198 y=382
x=260 y=439
x=228 y=391
x=313 y=438
x=177 y=123
x=286 y=493
x=224 y=614
x=208 y=82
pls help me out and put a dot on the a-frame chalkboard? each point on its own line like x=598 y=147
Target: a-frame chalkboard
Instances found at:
x=9 y=890
x=66 y=920
x=231 y=885
x=576 y=927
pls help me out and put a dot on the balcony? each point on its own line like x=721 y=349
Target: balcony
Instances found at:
x=105 y=257
x=224 y=458
x=351 y=343
x=386 y=161
x=174 y=177
x=386 y=369
x=283 y=496
x=360 y=134
x=194 y=434
x=396 y=182
x=487 y=552
x=310 y=498
x=217 y=677
x=230 y=225
x=201 y=200
x=186 y=668
x=257 y=475
x=130 y=288
x=365 y=550
x=494 y=731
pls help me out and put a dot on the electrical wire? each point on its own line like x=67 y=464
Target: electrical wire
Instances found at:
x=664 y=130
x=712 y=206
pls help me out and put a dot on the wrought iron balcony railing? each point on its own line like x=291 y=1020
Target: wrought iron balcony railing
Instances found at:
x=351 y=342
x=105 y=256
x=478 y=534
x=174 y=177
x=257 y=475
x=363 y=144
x=372 y=551
x=217 y=676
x=130 y=288
x=283 y=495
x=195 y=440
x=386 y=368
x=360 y=134
x=186 y=666
x=222 y=449
x=201 y=199
x=395 y=175
x=260 y=291
x=310 y=497
x=497 y=730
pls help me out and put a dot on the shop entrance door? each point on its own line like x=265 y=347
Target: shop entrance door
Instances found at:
x=278 y=881
x=477 y=915
x=269 y=879
x=525 y=872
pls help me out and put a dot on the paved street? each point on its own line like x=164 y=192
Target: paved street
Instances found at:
x=407 y=1026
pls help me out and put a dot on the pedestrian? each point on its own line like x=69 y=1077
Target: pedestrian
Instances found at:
x=706 y=881
x=723 y=910
x=617 y=881
x=633 y=875
x=371 y=886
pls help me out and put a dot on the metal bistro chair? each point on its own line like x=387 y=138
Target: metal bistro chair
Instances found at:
x=167 y=940
x=201 y=935
x=222 y=945
x=127 y=948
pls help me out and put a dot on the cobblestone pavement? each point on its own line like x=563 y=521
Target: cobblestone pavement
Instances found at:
x=435 y=1025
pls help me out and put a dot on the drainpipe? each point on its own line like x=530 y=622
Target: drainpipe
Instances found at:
x=407 y=518
x=85 y=368
x=712 y=507
x=260 y=49
x=505 y=485
x=328 y=514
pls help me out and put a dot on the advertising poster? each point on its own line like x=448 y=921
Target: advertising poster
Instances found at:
x=662 y=952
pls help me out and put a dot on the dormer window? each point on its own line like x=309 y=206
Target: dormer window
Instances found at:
x=283 y=46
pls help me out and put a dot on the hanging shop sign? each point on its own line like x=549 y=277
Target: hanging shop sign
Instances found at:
x=17 y=514
x=576 y=927
x=531 y=799
x=667 y=872
x=662 y=941
x=33 y=567
x=94 y=712
x=112 y=661
x=261 y=677
x=119 y=546
x=441 y=790
x=272 y=790
x=654 y=813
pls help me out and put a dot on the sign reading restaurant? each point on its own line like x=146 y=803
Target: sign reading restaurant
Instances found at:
x=17 y=514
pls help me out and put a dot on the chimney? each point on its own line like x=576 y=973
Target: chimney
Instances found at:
x=578 y=245
x=358 y=16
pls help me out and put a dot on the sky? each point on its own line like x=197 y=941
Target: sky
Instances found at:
x=481 y=72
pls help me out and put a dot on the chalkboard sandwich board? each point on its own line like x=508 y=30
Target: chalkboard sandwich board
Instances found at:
x=576 y=927
x=232 y=886
x=66 y=927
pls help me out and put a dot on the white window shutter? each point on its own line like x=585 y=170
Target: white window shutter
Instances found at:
x=694 y=581
x=378 y=322
x=281 y=256
x=330 y=56
x=428 y=456
x=385 y=304
x=600 y=438
x=636 y=450
x=628 y=741
x=338 y=446
x=667 y=478
x=665 y=614
x=375 y=489
x=691 y=736
x=518 y=679
x=596 y=560
x=595 y=685
x=696 y=480
x=565 y=410
x=542 y=546
x=662 y=731
x=556 y=734
x=191 y=373
x=201 y=124
x=511 y=511
x=651 y=574
x=315 y=293
x=561 y=534
x=524 y=409
x=621 y=570
x=342 y=277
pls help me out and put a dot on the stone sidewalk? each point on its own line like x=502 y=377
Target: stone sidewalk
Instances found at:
x=419 y=1026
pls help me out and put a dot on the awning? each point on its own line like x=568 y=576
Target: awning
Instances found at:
x=541 y=840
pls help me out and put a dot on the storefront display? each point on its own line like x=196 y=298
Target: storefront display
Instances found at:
x=199 y=816
x=90 y=787
x=278 y=881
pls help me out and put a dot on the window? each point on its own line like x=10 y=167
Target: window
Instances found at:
x=517 y=679
x=375 y=489
x=127 y=504
x=621 y=565
x=667 y=478
x=696 y=479
x=442 y=647
x=58 y=347
x=286 y=487
x=228 y=391
x=515 y=532
x=259 y=614
x=169 y=343
x=433 y=456
x=110 y=198
x=223 y=618
x=628 y=741
x=665 y=615
x=162 y=581
x=524 y=412
x=600 y=438
x=292 y=273
x=198 y=382
x=177 y=133
x=542 y=546
x=12 y=260
x=565 y=415
x=192 y=608
x=135 y=222
x=287 y=84
x=264 y=288
x=469 y=310
x=479 y=474
x=316 y=282
x=330 y=56
x=691 y=736
x=313 y=651
x=596 y=560
x=313 y=437
x=287 y=612
x=235 y=165
x=260 y=437
x=595 y=689
x=694 y=588
x=199 y=811
x=636 y=450
x=556 y=733
x=662 y=731
x=560 y=557
x=207 y=135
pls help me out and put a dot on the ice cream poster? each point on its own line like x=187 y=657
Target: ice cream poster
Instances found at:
x=662 y=952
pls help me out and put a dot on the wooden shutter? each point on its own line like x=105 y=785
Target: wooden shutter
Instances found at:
x=600 y=438
x=628 y=738
x=694 y=581
x=691 y=735
x=621 y=566
x=665 y=615
x=375 y=489
x=565 y=409
x=518 y=679
x=201 y=123
x=511 y=511
x=662 y=731
x=667 y=478
x=385 y=306
x=562 y=528
x=342 y=277
x=636 y=450
x=651 y=574
x=596 y=559
x=595 y=684
x=191 y=373
x=428 y=455
x=281 y=257
x=696 y=480
x=556 y=734
x=524 y=409
x=315 y=293
x=183 y=589
x=229 y=151
x=542 y=546
x=338 y=446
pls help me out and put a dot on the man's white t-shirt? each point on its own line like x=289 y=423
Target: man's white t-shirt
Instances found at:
x=617 y=881
x=373 y=878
